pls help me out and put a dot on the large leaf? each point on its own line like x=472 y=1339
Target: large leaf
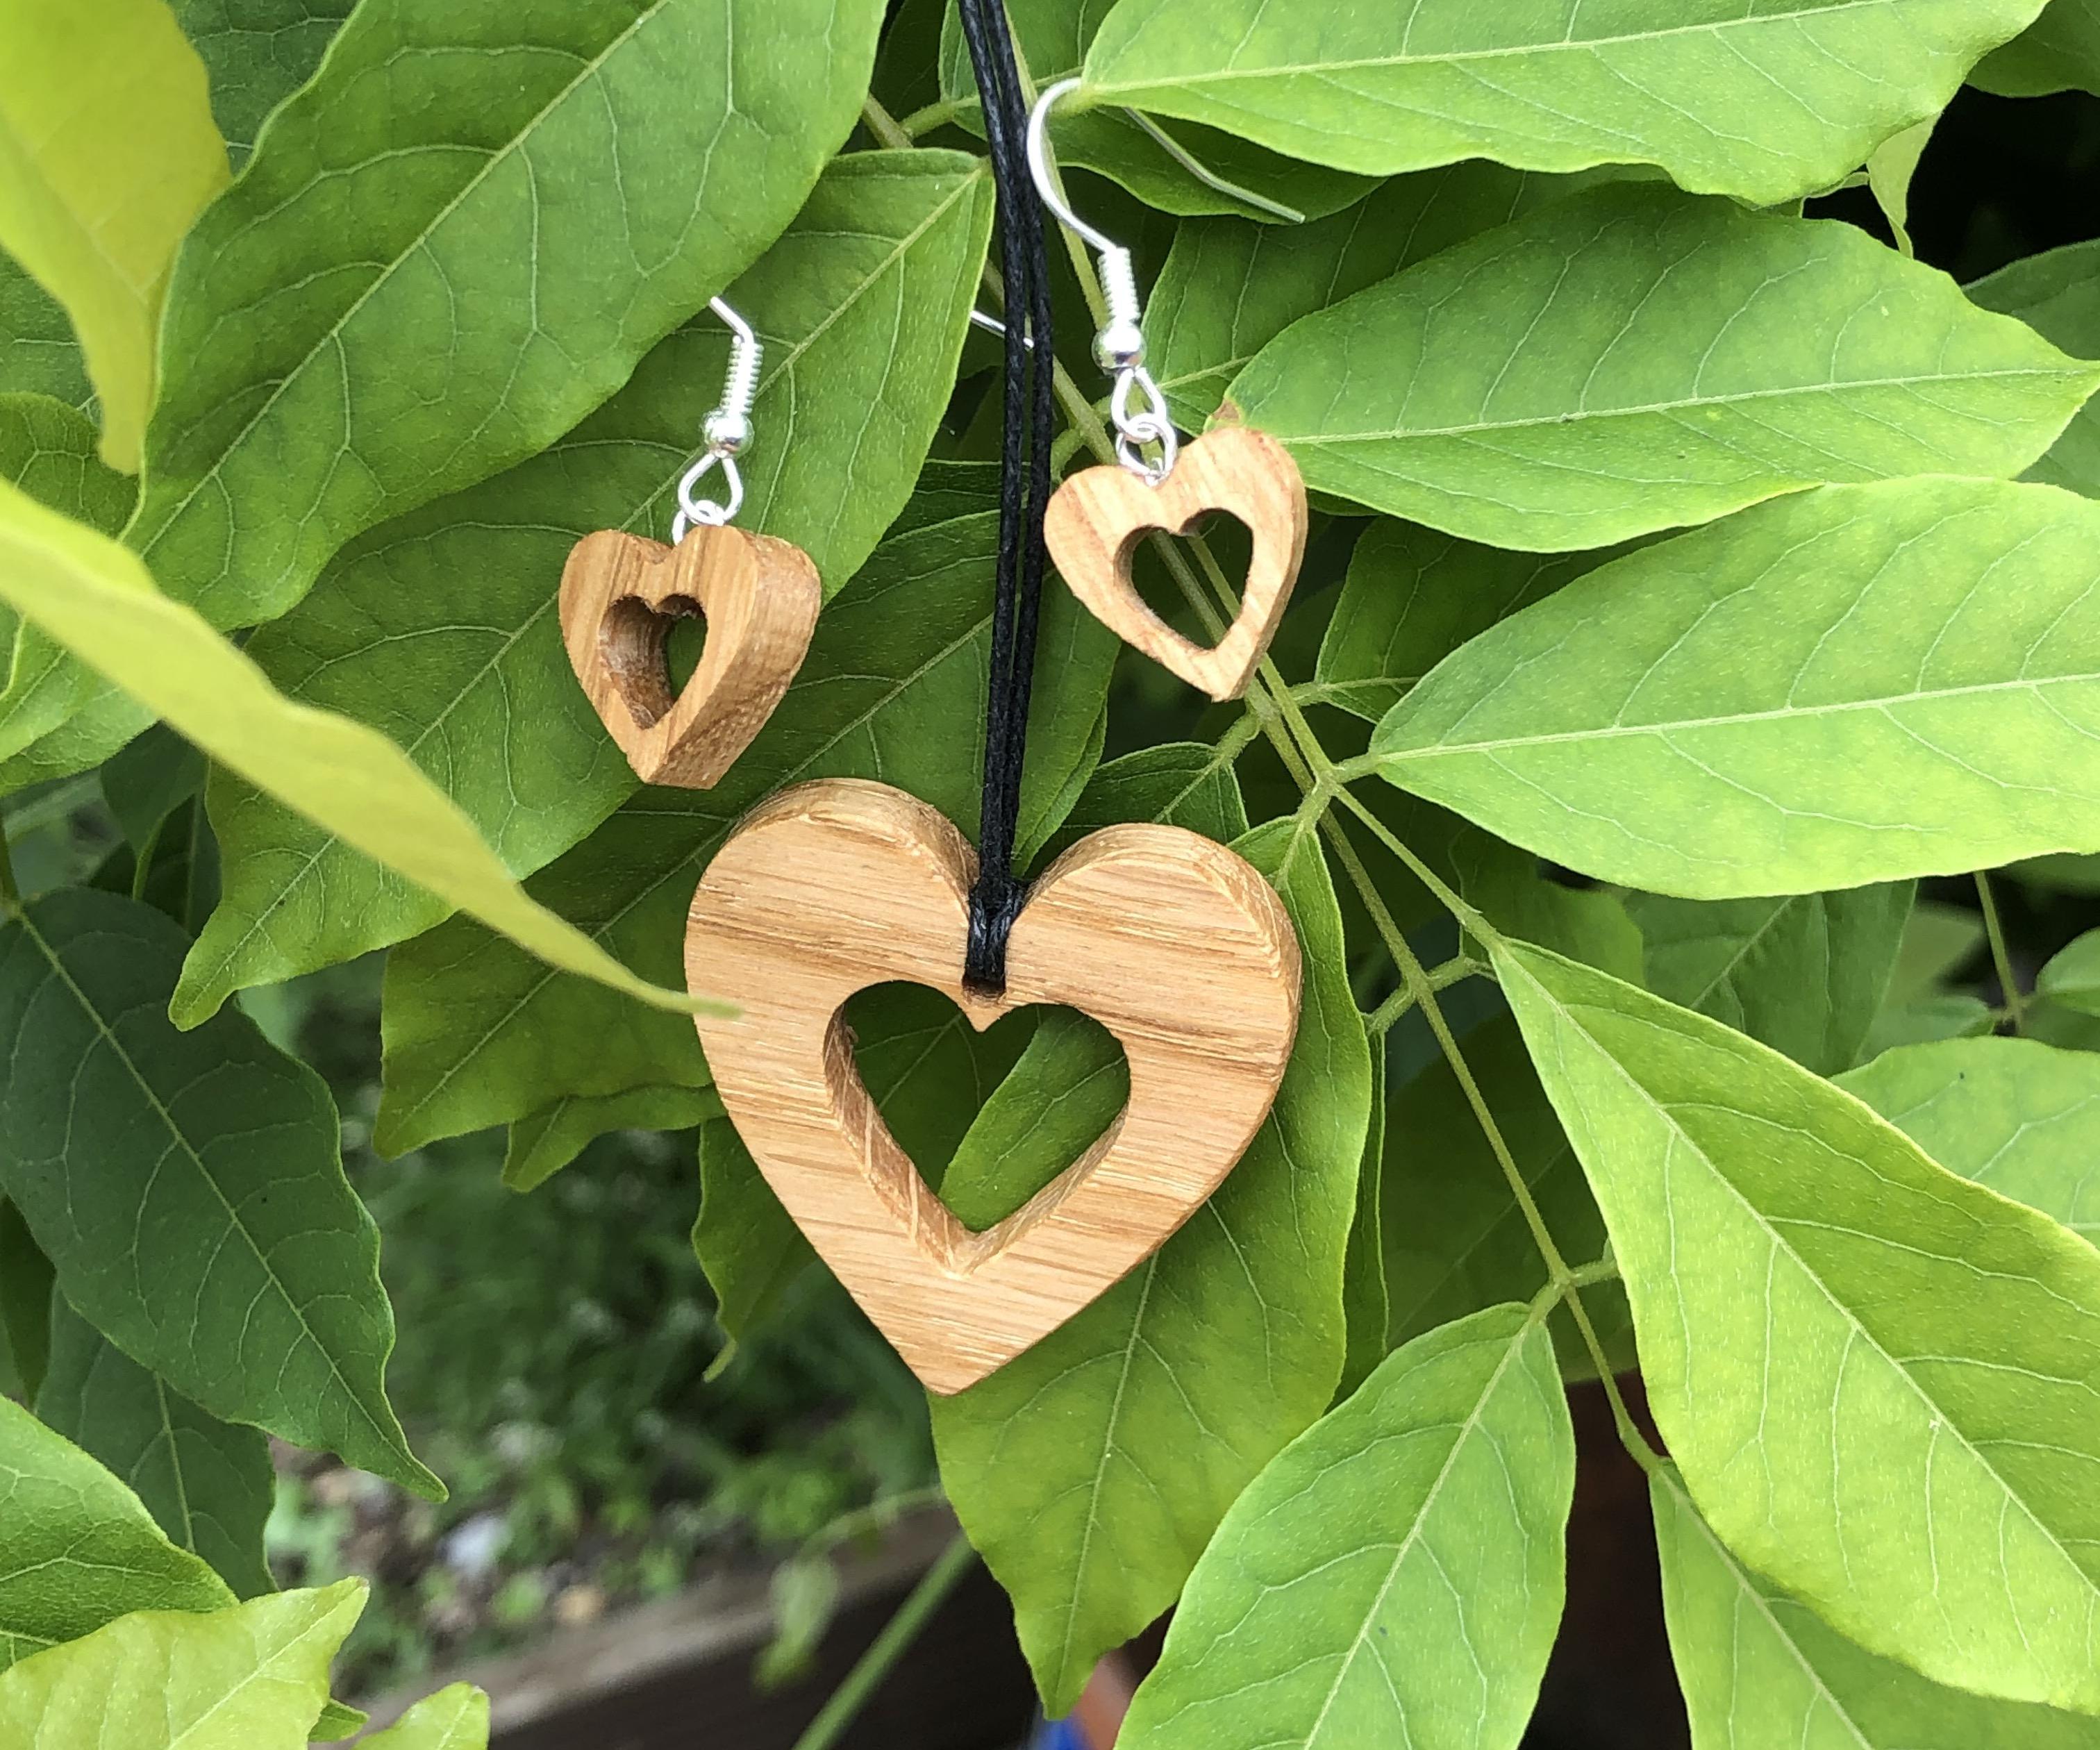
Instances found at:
x=1395 y=1574
x=76 y=1548
x=1455 y=1239
x=108 y=153
x=1805 y=974
x=1091 y=1470
x=92 y=596
x=1761 y=1672
x=253 y=1677
x=189 y=1187
x=1628 y=360
x=257 y=53
x=1860 y=684
x=1412 y=597
x=440 y=629
x=1229 y=286
x=893 y=689
x=2060 y=51
x=2058 y=294
x=39 y=354
x=2017 y=1116
x=484 y=220
x=1767 y=102
x=455 y=1718
x=1879 y=1380
x=209 y=1482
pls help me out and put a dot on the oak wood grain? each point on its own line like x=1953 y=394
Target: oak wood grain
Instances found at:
x=1173 y=943
x=620 y=594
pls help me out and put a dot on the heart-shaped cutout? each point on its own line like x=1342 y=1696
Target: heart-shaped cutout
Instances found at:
x=1173 y=943
x=619 y=596
x=1096 y=519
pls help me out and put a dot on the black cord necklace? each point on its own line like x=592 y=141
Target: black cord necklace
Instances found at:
x=1024 y=489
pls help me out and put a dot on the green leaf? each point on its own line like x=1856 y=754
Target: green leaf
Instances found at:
x=108 y=153
x=149 y=780
x=1628 y=360
x=487 y=219
x=1890 y=167
x=1863 y=684
x=253 y=1677
x=26 y=1304
x=1092 y=1471
x=893 y=689
x=2057 y=293
x=257 y=53
x=1878 y=1379
x=1761 y=1672
x=1412 y=597
x=1229 y=286
x=542 y=1143
x=76 y=1548
x=1763 y=103
x=39 y=354
x=1455 y=1241
x=209 y=1483
x=1516 y=896
x=2060 y=51
x=1396 y=1575
x=95 y=597
x=2072 y=975
x=440 y=630
x=153 y=1167
x=1805 y=975
x=2019 y=1116
x=929 y=1071
x=455 y=1718
x=1051 y=38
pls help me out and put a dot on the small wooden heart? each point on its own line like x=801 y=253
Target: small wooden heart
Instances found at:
x=1173 y=943
x=619 y=596
x=1096 y=519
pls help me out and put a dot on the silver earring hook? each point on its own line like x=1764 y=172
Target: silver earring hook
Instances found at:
x=726 y=431
x=1119 y=347
x=992 y=325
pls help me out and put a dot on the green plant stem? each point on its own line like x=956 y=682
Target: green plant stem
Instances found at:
x=1381 y=1022
x=884 y=126
x=2016 y=1003
x=897 y=1634
x=925 y=121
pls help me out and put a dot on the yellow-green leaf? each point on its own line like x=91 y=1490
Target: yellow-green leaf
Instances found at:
x=94 y=597
x=455 y=1718
x=108 y=153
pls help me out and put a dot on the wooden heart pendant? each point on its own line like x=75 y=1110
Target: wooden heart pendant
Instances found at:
x=1096 y=519
x=1173 y=943
x=620 y=594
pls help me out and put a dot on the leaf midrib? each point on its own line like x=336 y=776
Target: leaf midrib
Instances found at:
x=1671 y=725
x=203 y=1172
x=1577 y=415
x=1586 y=46
x=331 y=336
x=1940 y=1417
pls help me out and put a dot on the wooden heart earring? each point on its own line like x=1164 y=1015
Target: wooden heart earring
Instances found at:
x=621 y=594
x=1175 y=944
x=1099 y=516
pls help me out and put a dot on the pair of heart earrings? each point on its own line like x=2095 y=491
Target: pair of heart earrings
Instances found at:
x=1174 y=943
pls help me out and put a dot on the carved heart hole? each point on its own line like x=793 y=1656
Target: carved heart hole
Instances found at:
x=930 y=1074
x=651 y=652
x=1230 y=540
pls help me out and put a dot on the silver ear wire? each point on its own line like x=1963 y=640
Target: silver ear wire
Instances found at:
x=993 y=325
x=1119 y=346
x=726 y=431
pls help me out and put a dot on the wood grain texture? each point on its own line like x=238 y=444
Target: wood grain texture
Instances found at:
x=1173 y=943
x=620 y=595
x=1096 y=519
